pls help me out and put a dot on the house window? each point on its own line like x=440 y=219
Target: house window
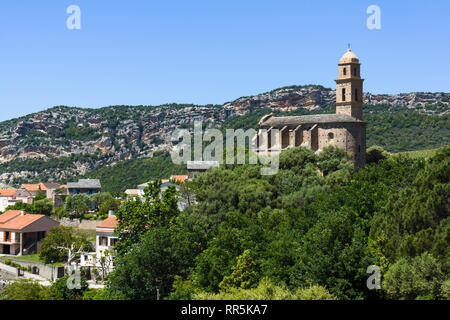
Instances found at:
x=343 y=94
x=102 y=241
x=40 y=235
x=112 y=242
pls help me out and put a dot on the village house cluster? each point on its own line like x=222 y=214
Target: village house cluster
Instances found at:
x=55 y=192
x=21 y=233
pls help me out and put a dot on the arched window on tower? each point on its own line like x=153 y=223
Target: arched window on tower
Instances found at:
x=344 y=71
x=343 y=94
x=354 y=71
x=356 y=94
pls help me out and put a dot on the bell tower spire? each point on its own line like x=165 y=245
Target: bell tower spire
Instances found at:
x=349 y=86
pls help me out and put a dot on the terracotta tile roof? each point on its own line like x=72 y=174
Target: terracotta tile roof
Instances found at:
x=7 y=192
x=110 y=222
x=21 y=222
x=179 y=178
x=15 y=220
x=41 y=186
x=132 y=191
x=8 y=215
x=32 y=187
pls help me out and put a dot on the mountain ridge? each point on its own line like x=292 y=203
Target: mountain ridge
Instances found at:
x=87 y=138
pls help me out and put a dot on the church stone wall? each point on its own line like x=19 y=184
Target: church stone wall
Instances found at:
x=356 y=143
x=332 y=135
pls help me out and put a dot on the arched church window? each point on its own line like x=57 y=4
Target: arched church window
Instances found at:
x=330 y=136
x=345 y=71
x=343 y=94
x=356 y=94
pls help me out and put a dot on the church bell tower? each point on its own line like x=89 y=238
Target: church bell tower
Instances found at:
x=349 y=86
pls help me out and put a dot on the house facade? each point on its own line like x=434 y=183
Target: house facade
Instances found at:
x=24 y=196
x=106 y=239
x=6 y=198
x=21 y=233
x=46 y=188
x=86 y=186
x=9 y=197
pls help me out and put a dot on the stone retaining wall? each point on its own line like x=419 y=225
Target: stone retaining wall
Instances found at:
x=44 y=270
x=77 y=223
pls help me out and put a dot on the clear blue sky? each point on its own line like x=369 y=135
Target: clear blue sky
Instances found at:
x=154 y=52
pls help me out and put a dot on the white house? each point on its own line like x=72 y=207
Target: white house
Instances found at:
x=9 y=197
x=6 y=198
x=105 y=240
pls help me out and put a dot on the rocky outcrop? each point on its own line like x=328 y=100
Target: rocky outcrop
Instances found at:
x=127 y=132
x=314 y=97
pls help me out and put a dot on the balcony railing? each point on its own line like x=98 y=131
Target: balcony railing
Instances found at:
x=9 y=241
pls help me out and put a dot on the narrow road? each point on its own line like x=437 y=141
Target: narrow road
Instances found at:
x=8 y=272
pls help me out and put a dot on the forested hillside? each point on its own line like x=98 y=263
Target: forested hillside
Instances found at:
x=130 y=173
x=294 y=235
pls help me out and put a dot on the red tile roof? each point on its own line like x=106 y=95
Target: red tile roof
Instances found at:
x=32 y=187
x=110 y=222
x=132 y=191
x=8 y=215
x=7 y=192
x=13 y=219
x=41 y=186
x=179 y=178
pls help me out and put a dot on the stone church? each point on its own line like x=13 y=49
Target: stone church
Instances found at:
x=345 y=129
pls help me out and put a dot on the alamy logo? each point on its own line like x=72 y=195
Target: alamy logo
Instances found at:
x=374 y=281
x=262 y=147
x=374 y=20
x=74 y=281
x=73 y=22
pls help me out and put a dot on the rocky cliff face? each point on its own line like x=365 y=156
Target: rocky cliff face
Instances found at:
x=314 y=97
x=108 y=135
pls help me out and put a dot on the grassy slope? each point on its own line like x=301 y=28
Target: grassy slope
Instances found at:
x=427 y=153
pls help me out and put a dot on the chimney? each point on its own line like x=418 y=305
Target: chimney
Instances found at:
x=111 y=213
